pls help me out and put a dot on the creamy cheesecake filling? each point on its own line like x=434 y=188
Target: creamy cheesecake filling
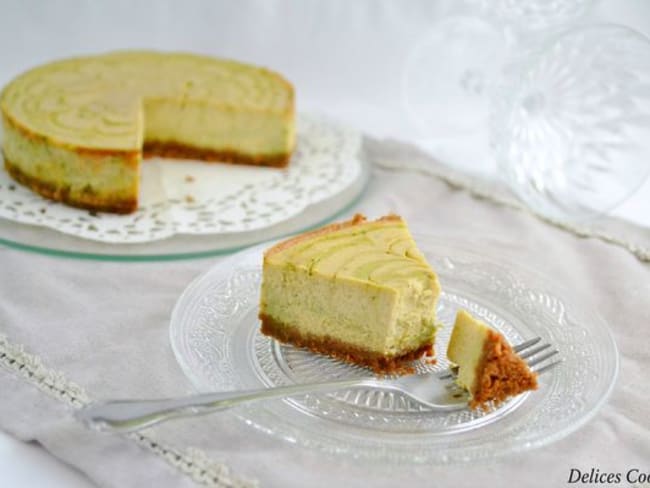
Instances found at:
x=348 y=310
x=466 y=349
x=488 y=367
x=413 y=327
x=220 y=126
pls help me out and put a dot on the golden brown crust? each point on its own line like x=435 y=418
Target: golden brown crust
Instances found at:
x=357 y=219
x=501 y=373
x=172 y=149
x=62 y=194
x=351 y=354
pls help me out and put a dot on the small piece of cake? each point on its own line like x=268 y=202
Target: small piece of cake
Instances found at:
x=488 y=368
x=76 y=130
x=359 y=291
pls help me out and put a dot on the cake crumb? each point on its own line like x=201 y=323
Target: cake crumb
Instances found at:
x=189 y=199
x=189 y=178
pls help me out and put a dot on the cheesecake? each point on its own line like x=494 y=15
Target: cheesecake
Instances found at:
x=360 y=291
x=488 y=367
x=76 y=130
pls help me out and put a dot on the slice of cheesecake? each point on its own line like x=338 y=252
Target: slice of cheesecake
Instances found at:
x=75 y=130
x=360 y=291
x=488 y=368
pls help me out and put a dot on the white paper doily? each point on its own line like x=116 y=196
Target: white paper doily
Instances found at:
x=190 y=197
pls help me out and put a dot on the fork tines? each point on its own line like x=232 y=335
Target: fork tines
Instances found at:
x=526 y=351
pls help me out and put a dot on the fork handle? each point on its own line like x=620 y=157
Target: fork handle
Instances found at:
x=133 y=415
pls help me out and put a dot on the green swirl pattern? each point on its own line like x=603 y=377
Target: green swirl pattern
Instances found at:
x=98 y=102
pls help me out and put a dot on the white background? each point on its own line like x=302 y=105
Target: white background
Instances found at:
x=345 y=58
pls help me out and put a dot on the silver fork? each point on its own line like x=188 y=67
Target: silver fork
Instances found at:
x=132 y=415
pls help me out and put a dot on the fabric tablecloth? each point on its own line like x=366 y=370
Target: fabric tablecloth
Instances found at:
x=74 y=331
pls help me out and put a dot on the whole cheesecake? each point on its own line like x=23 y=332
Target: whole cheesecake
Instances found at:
x=75 y=130
x=488 y=367
x=360 y=291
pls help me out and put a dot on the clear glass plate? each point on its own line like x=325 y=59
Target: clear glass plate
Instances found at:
x=215 y=336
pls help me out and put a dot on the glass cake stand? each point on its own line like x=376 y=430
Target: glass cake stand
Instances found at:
x=215 y=337
x=47 y=241
x=235 y=206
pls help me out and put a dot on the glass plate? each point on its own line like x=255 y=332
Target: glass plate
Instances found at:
x=215 y=336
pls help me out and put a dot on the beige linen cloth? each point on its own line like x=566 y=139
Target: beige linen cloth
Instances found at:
x=73 y=331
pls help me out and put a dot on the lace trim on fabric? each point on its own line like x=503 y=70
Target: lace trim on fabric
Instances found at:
x=192 y=462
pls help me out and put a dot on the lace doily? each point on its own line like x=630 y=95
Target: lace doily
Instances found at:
x=189 y=197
